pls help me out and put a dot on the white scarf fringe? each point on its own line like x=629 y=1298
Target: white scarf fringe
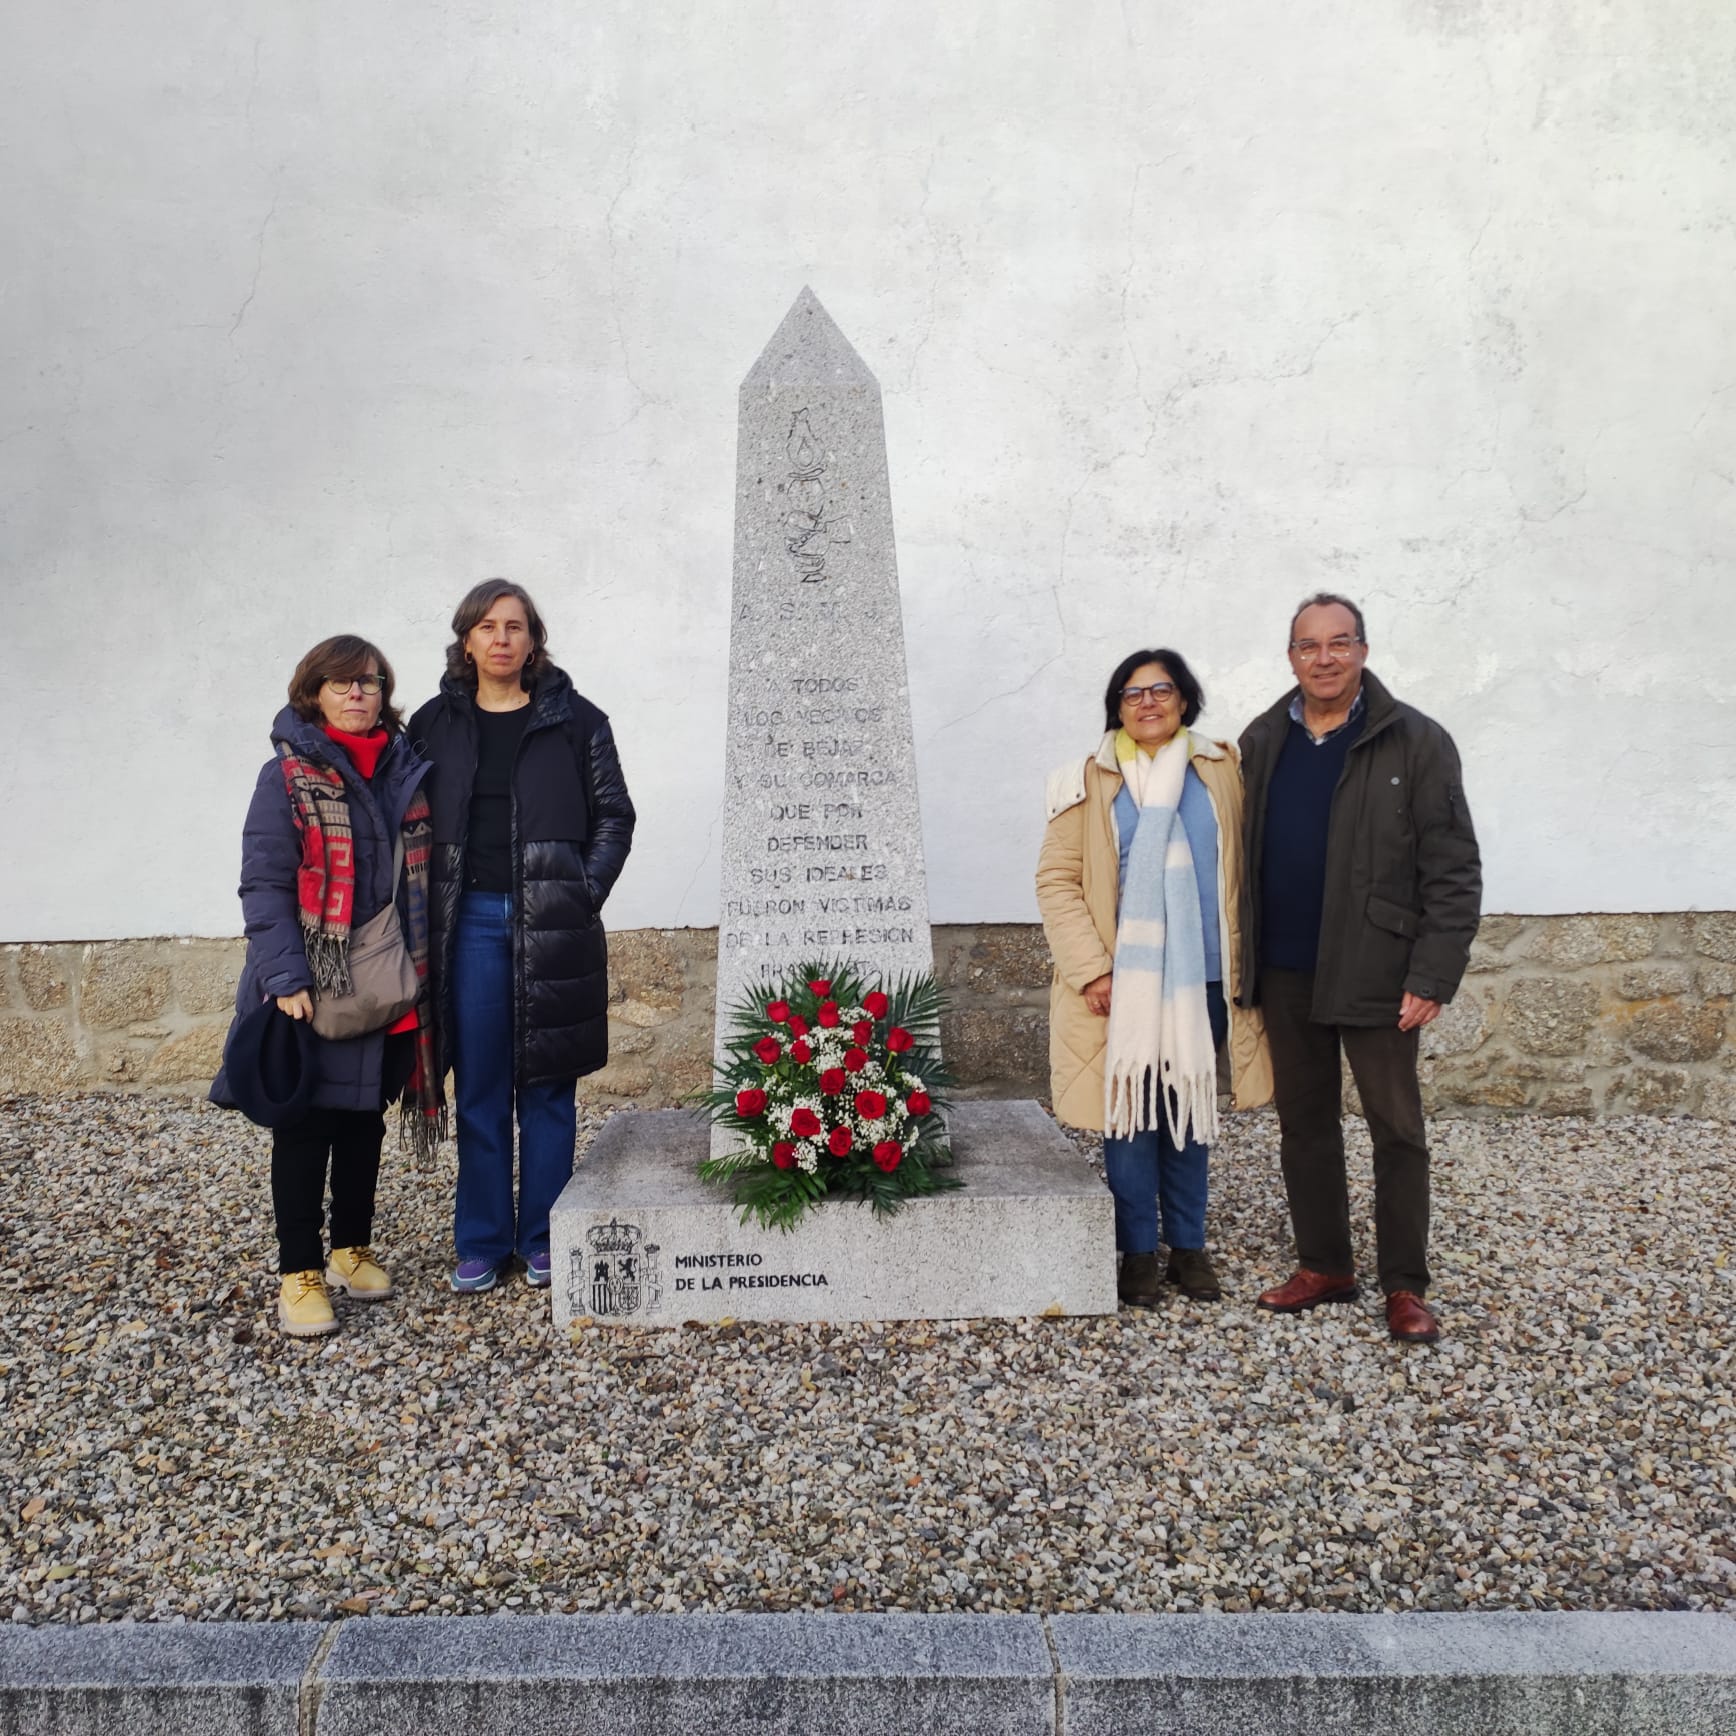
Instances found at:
x=1159 y=1043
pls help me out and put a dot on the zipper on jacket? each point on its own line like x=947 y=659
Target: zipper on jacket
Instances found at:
x=520 y=989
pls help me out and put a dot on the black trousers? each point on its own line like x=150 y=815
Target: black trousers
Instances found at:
x=1310 y=1099
x=347 y=1141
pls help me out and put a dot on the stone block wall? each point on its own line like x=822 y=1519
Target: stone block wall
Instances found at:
x=131 y=1013
x=1563 y=1015
x=1591 y=1015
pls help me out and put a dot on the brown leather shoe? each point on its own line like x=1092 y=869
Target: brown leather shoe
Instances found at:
x=1407 y=1318
x=1141 y=1282
x=1305 y=1289
x=1191 y=1271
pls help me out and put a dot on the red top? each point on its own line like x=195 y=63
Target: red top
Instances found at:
x=364 y=752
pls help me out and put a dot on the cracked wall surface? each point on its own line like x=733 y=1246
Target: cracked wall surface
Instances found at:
x=1561 y=1015
x=1179 y=312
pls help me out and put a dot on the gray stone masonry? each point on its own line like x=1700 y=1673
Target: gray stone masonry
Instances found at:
x=671 y=1676
x=822 y=834
x=639 y=1240
x=219 y=1679
x=1506 y=1674
x=1566 y=1015
x=884 y=1675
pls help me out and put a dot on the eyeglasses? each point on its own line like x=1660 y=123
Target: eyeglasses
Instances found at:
x=1310 y=651
x=369 y=684
x=1160 y=690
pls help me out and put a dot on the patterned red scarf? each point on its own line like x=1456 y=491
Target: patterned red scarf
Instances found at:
x=325 y=890
x=422 y=1112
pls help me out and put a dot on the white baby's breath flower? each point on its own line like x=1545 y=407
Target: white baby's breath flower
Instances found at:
x=807 y=1156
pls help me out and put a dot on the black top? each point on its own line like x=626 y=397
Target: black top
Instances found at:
x=1293 y=857
x=488 y=859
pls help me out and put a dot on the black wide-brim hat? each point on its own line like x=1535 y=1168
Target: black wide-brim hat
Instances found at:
x=271 y=1063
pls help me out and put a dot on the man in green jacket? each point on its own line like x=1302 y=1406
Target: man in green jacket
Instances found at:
x=1360 y=900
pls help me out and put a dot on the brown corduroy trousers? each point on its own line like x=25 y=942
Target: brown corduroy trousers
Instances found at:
x=1309 y=1096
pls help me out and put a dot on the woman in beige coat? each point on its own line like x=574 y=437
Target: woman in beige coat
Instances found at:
x=1139 y=885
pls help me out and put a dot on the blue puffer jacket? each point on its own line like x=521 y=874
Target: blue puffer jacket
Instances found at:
x=349 y=1072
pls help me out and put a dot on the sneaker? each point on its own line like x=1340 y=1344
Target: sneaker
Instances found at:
x=303 y=1308
x=470 y=1276
x=538 y=1269
x=355 y=1272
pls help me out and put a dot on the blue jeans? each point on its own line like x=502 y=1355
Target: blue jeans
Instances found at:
x=1147 y=1168
x=484 y=1225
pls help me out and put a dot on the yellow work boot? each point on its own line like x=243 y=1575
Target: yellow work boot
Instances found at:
x=303 y=1309
x=355 y=1272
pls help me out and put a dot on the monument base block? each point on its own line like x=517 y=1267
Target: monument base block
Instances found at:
x=639 y=1240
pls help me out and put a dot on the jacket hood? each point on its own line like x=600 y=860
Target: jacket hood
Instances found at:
x=305 y=738
x=551 y=699
x=310 y=741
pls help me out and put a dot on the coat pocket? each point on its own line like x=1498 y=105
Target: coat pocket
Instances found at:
x=1393 y=917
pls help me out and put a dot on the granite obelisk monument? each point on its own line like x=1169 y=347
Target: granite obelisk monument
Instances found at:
x=822 y=837
x=822 y=861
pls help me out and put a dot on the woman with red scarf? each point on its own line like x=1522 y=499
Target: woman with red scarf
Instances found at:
x=319 y=859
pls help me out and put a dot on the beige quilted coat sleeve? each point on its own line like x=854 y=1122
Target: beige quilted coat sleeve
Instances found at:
x=1077 y=871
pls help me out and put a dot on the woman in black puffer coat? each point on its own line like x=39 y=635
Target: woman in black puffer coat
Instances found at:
x=532 y=825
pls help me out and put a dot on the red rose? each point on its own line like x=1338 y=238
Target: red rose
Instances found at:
x=840 y=1142
x=799 y=1051
x=767 y=1049
x=862 y=1030
x=832 y=1081
x=784 y=1154
x=876 y=1003
x=919 y=1103
x=828 y=1015
x=778 y=1011
x=820 y=986
x=804 y=1124
x=855 y=1060
x=889 y=1154
x=898 y=1039
x=870 y=1105
x=798 y=1025
x=750 y=1102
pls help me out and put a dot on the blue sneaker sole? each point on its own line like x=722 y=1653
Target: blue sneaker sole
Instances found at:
x=537 y=1280
x=474 y=1286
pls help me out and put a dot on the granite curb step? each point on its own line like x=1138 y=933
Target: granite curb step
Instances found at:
x=873 y=1675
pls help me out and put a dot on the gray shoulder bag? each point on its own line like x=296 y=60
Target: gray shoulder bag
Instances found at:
x=382 y=974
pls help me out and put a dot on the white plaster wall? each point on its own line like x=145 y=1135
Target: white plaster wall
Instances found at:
x=314 y=314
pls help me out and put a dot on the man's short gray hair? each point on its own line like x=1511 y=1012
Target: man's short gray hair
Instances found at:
x=1321 y=599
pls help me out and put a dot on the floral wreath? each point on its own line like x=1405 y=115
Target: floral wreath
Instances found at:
x=832 y=1087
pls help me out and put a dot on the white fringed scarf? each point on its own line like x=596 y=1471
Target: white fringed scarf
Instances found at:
x=1160 y=1031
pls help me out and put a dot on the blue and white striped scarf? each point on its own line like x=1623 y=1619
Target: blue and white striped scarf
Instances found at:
x=1160 y=1031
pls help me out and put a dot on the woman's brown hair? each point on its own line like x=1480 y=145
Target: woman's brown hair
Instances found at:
x=478 y=600
x=341 y=658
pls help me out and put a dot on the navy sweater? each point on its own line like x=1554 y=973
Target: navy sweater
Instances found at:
x=1293 y=860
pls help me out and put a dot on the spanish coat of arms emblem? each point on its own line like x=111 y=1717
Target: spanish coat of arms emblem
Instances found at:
x=617 y=1271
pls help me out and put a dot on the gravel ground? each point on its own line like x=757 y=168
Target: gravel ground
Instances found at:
x=1570 y=1444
